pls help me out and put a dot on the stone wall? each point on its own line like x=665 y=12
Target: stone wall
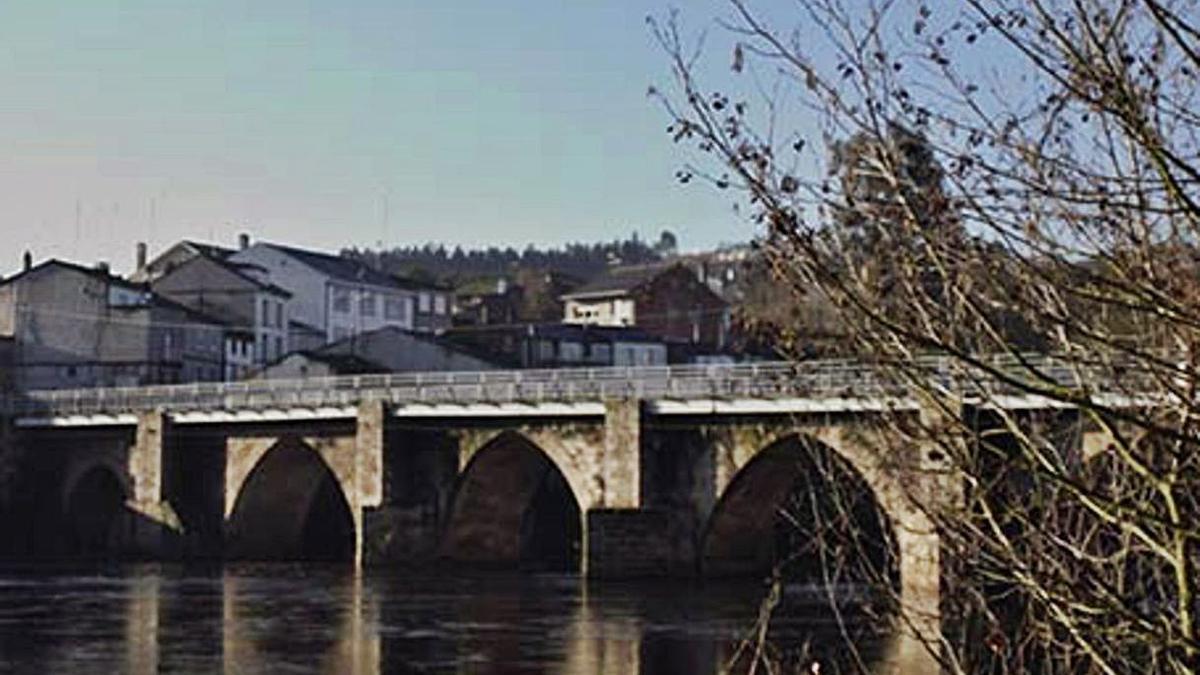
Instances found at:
x=628 y=543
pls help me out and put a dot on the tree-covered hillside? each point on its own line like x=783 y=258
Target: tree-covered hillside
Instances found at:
x=454 y=265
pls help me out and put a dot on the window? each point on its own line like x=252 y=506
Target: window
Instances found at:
x=278 y=345
x=279 y=315
x=341 y=300
x=366 y=304
x=395 y=309
x=570 y=352
x=266 y=312
x=602 y=353
x=439 y=304
x=423 y=303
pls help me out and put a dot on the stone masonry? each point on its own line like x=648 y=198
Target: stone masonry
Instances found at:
x=647 y=493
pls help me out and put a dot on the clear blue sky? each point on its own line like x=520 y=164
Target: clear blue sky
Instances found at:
x=477 y=122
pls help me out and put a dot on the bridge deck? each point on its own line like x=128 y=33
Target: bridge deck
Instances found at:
x=829 y=385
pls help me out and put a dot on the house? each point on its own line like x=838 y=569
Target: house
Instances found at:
x=530 y=295
x=489 y=301
x=240 y=295
x=562 y=345
x=384 y=350
x=73 y=326
x=340 y=297
x=666 y=301
x=176 y=255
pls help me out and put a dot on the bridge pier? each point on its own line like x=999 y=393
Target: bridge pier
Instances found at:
x=367 y=493
x=154 y=522
x=622 y=538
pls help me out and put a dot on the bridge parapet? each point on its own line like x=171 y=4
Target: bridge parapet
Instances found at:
x=773 y=380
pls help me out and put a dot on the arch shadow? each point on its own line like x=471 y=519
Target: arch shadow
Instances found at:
x=801 y=507
x=513 y=508
x=291 y=507
x=96 y=517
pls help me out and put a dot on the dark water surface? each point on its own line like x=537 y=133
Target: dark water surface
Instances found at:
x=315 y=619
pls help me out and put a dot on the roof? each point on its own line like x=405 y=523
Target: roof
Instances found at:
x=397 y=331
x=295 y=324
x=102 y=275
x=591 y=333
x=209 y=250
x=618 y=281
x=349 y=269
x=557 y=331
x=341 y=364
x=353 y=363
x=238 y=270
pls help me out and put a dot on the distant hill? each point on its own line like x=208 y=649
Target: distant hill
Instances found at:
x=436 y=262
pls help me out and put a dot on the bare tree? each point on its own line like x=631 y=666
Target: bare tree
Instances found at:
x=1000 y=177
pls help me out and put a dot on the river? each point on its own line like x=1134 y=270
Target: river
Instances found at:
x=324 y=619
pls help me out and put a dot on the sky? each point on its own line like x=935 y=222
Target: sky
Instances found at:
x=338 y=123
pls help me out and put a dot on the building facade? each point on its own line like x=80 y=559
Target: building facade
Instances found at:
x=340 y=297
x=666 y=301
x=492 y=301
x=72 y=326
x=240 y=296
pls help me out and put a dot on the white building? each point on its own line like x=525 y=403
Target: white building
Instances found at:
x=341 y=297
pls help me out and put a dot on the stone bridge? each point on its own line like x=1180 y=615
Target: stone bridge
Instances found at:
x=614 y=472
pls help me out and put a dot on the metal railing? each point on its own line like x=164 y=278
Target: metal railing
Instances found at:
x=813 y=379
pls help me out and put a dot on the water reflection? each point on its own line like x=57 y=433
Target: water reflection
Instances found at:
x=314 y=619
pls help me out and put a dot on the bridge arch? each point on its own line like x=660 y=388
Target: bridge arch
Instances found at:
x=880 y=469
x=515 y=506
x=103 y=461
x=290 y=506
x=94 y=510
x=790 y=504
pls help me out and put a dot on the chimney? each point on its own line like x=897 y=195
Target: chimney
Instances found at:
x=141 y=257
x=102 y=266
x=28 y=260
x=243 y=241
